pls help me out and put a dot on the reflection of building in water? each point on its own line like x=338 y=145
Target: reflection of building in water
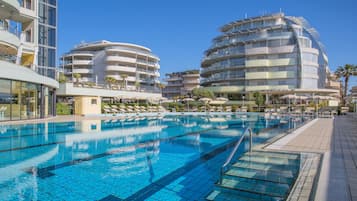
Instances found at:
x=93 y=125
x=130 y=150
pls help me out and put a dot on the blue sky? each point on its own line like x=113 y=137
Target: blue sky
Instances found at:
x=179 y=31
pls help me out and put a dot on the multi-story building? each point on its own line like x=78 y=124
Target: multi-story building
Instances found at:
x=107 y=70
x=270 y=54
x=25 y=92
x=181 y=83
x=132 y=64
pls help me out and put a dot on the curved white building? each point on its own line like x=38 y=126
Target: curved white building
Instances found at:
x=273 y=54
x=133 y=66
x=27 y=86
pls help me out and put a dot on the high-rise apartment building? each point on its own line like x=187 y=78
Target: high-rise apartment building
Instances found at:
x=25 y=92
x=132 y=64
x=272 y=54
x=181 y=83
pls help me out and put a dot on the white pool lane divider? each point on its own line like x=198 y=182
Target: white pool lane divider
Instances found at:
x=279 y=144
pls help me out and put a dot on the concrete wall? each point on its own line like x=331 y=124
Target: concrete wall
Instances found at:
x=87 y=105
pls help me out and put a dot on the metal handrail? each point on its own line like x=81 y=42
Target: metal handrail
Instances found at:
x=234 y=151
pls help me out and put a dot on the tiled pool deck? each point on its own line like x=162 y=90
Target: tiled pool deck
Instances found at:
x=336 y=140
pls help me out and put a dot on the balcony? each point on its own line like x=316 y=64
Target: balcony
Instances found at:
x=8 y=8
x=191 y=75
x=174 y=84
x=226 y=89
x=83 y=71
x=9 y=41
x=120 y=59
x=132 y=50
x=173 y=79
x=121 y=68
x=269 y=75
x=270 y=62
x=268 y=87
x=82 y=62
x=333 y=85
x=197 y=81
x=128 y=79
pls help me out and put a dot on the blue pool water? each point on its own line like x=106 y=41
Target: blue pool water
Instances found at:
x=153 y=158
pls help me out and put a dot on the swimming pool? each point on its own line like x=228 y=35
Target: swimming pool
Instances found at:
x=143 y=158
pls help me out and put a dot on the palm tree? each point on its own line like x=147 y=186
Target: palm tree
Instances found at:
x=62 y=78
x=124 y=76
x=110 y=81
x=345 y=72
x=77 y=76
x=161 y=86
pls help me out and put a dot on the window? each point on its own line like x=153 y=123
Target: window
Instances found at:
x=282 y=82
x=51 y=37
x=261 y=83
x=28 y=37
x=94 y=101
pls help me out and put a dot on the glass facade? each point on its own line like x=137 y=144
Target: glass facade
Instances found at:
x=47 y=37
x=23 y=100
x=274 y=51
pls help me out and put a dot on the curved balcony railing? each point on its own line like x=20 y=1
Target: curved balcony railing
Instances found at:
x=259 y=36
x=83 y=71
x=134 y=50
x=121 y=68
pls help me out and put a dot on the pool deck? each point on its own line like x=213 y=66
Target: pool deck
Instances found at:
x=336 y=140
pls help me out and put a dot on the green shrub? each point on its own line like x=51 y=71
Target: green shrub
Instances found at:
x=63 y=109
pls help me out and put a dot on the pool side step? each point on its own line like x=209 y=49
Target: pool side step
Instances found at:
x=258 y=175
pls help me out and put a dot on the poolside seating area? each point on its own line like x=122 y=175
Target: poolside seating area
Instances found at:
x=122 y=109
x=326 y=112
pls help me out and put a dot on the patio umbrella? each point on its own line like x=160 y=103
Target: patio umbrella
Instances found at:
x=222 y=99
x=187 y=100
x=289 y=96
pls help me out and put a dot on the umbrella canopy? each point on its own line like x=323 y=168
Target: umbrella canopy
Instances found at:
x=289 y=96
x=302 y=97
x=222 y=99
x=321 y=97
x=188 y=99
x=205 y=99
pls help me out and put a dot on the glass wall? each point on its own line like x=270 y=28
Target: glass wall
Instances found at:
x=23 y=100
x=5 y=100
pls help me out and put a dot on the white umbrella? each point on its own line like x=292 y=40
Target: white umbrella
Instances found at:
x=205 y=100
x=289 y=96
x=302 y=97
x=222 y=99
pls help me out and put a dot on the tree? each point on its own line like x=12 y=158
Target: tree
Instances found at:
x=161 y=86
x=346 y=72
x=259 y=99
x=77 y=76
x=110 y=81
x=137 y=85
x=62 y=78
x=202 y=93
x=124 y=76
